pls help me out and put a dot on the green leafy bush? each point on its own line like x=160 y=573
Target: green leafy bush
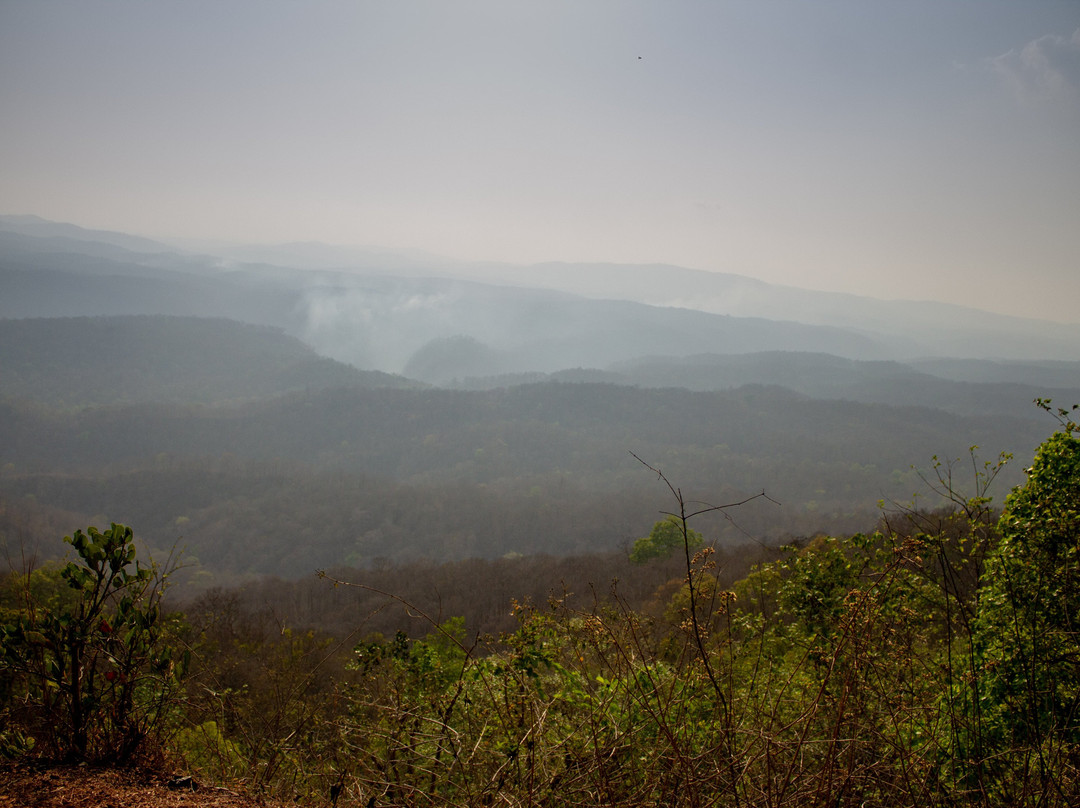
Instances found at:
x=1027 y=635
x=87 y=674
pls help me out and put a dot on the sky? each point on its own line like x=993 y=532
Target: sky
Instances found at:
x=901 y=150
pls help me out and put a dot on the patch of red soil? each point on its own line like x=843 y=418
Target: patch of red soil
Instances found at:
x=31 y=786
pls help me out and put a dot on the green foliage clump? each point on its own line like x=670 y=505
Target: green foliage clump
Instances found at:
x=87 y=673
x=667 y=536
x=1027 y=636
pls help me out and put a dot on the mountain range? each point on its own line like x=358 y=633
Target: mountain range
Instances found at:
x=381 y=312
x=316 y=406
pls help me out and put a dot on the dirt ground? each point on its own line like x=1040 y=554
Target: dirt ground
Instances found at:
x=29 y=786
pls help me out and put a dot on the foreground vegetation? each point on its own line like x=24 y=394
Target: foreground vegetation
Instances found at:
x=932 y=662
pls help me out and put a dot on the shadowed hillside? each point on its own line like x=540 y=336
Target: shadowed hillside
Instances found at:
x=84 y=361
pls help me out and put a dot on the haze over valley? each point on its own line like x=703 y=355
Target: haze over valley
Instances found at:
x=281 y=417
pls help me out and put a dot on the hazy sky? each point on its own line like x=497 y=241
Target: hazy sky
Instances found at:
x=893 y=148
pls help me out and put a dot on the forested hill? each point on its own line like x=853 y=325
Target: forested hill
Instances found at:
x=962 y=386
x=75 y=362
x=512 y=433
x=266 y=457
x=347 y=476
x=78 y=362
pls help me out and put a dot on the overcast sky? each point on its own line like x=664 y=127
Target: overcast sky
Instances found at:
x=898 y=149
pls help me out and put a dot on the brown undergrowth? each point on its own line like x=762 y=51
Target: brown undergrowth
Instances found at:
x=27 y=785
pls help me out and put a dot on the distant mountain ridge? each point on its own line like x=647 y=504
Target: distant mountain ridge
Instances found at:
x=36 y=227
x=829 y=377
x=104 y=361
x=916 y=328
x=78 y=362
x=383 y=312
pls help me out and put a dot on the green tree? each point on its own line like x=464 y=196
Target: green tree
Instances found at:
x=88 y=675
x=665 y=538
x=1027 y=634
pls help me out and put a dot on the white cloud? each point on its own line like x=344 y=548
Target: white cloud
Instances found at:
x=1046 y=69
